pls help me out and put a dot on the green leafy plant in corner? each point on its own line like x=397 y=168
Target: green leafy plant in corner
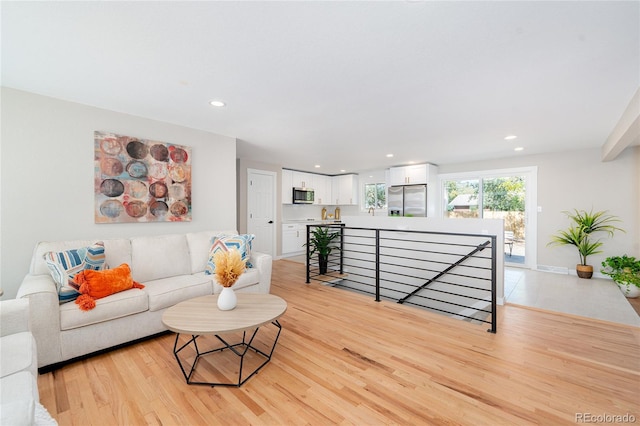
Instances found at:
x=581 y=232
x=623 y=269
x=321 y=242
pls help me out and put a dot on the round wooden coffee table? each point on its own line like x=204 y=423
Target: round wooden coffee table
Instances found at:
x=201 y=316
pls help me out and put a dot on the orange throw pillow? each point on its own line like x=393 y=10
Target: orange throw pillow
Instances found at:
x=98 y=284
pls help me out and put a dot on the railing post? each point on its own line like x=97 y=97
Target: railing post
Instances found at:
x=341 y=248
x=494 y=287
x=377 y=265
x=307 y=254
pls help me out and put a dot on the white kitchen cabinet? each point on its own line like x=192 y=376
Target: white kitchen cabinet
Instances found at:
x=321 y=185
x=345 y=189
x=322 y=189
x=293 y=238
x=294 y=179
x=418 y=174
x=287 y=186
x=328 y=190
x=302 y=180
x=409 y=175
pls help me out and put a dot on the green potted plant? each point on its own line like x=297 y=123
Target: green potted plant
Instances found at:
x=321 y=242
x=581 y=235
x=625 y=271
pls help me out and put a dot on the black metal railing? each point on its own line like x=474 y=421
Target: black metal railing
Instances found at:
x=449 y=273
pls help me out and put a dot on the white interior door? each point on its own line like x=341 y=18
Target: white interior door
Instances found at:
x=261 y=212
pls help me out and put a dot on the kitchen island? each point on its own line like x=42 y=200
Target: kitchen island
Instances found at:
x=459 y=226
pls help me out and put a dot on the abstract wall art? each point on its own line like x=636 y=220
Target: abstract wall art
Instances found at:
x=139 y=180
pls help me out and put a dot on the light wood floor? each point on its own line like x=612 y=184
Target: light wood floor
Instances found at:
x=635 y=304
x=342 y=358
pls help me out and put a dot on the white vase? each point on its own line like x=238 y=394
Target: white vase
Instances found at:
x=227 y=299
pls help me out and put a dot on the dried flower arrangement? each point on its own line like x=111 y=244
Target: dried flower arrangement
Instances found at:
x=229 y=267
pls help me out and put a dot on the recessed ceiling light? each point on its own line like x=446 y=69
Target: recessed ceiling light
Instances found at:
x=510 y=137
x=342 y=170
x=518 y=148
x=217 y=103
x=389 y=155
x=317 y=166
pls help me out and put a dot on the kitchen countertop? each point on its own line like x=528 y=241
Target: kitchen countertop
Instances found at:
x=310 y=221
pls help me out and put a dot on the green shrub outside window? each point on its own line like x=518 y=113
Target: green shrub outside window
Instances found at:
x=375 y=195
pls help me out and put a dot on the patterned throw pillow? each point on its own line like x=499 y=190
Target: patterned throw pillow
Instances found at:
x=242 y=243
x=66 y=264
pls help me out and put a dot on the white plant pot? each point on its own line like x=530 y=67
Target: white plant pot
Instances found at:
x=227 y=299
x=629 y=290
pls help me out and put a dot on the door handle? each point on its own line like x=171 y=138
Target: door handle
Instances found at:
x=270 y=221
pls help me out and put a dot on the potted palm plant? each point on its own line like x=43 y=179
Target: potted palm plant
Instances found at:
x=625 y=271
x=321 y=242
x=585 y=225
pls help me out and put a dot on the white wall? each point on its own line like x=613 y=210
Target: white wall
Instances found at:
x=580 y=180
x=565 y=180
x=47 y=188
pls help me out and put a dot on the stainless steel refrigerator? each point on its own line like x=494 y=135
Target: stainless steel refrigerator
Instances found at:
x=407 y=200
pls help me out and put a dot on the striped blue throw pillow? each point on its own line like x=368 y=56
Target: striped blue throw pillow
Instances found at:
x=64 y=265
x=243 y=243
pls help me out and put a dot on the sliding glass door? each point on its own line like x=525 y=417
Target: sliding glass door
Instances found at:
x=499 y=194
x=462 y=198
x=505 y=198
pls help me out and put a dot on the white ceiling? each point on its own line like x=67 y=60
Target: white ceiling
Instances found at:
x=341 y=84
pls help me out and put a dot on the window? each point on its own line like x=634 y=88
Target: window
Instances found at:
x=375 y=195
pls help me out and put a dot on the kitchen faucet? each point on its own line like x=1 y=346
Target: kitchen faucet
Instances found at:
x=372 y=211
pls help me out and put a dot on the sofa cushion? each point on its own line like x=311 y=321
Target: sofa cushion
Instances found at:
x=117 y=251
x=64 y=265
x=166 y=292
x=19 y=396
x=18 y=353
x=158 y=257
x=18 y=413
x=19 y=386
x=117 y=305
x=199 y=246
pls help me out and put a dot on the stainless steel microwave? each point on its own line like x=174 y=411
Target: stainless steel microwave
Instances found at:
x=302 y=196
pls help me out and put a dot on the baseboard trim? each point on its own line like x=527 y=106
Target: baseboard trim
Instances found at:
x=568 y=315
x=553 y=269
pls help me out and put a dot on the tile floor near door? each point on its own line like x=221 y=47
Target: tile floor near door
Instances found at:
x=594 y=298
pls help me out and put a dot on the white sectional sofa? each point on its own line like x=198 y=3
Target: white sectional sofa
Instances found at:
x=19 y=397
x=171 y=267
